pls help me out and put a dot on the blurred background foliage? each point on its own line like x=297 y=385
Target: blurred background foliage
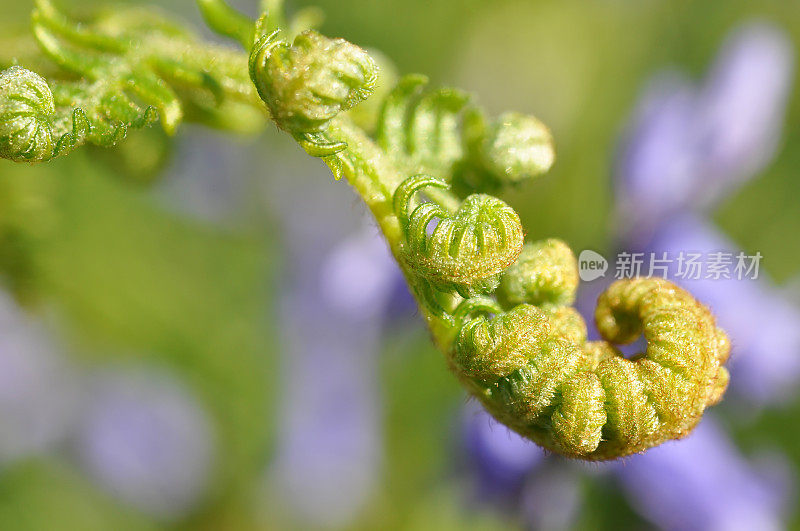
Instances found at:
x=124 y=276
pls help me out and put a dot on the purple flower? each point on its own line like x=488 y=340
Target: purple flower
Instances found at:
x=688 y=147
x=358 y=277
x=703 y=482
x=551 y=498
x=743 y=104
x=500 y=458
x=515 y=476
x=330 y=449
x=37 y=391
x=657 y=170
x=207 y=179
x=146 y=439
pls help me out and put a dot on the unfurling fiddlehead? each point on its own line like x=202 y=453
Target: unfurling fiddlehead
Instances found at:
x=125 y=70
x=524 y=352
x=308 y=83
x=441 y=132
x=587 y=400
x=497 y=308
x=26 y=113
x=467 y=250
x=545 y=274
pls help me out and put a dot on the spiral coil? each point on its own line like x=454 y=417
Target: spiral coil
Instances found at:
x=465 y=251
x=26 y=113
x=585 y=399
x=441 y=132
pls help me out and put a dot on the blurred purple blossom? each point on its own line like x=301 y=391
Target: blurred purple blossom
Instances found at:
x=337 y=287
x=687 y=147
x=703 y=482
x=657 y=168
x=146 y=439
x=551 y=498
x=37 y=386
x=517 y=476
x=501 y=458
x=743 y=106
x=329 y=451
x=359 y=275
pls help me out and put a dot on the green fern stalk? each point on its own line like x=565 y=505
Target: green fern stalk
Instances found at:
x=498 y=308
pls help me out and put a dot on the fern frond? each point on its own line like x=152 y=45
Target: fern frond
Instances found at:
x=26 y=114
x=423 y=127
x=468 y=249
x=498 y=309
x=589 y=401
x=546 y=273
x=308 y=83
x=442 y=133
x=123 y=70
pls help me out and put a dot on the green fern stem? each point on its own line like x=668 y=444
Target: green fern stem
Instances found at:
x=375 y=178
x=498 y=308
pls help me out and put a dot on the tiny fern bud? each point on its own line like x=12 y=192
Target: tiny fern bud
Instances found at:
x=443 y=133
x=489 y=349
x=467 y=250
x=545 y=273
x=307 y=84
x=516 y=148
x=26 y=114
x=424 y=127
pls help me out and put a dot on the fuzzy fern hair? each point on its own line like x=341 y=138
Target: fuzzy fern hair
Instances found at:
x=498 y=308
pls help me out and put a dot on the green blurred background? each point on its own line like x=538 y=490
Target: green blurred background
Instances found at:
x=121 y=278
